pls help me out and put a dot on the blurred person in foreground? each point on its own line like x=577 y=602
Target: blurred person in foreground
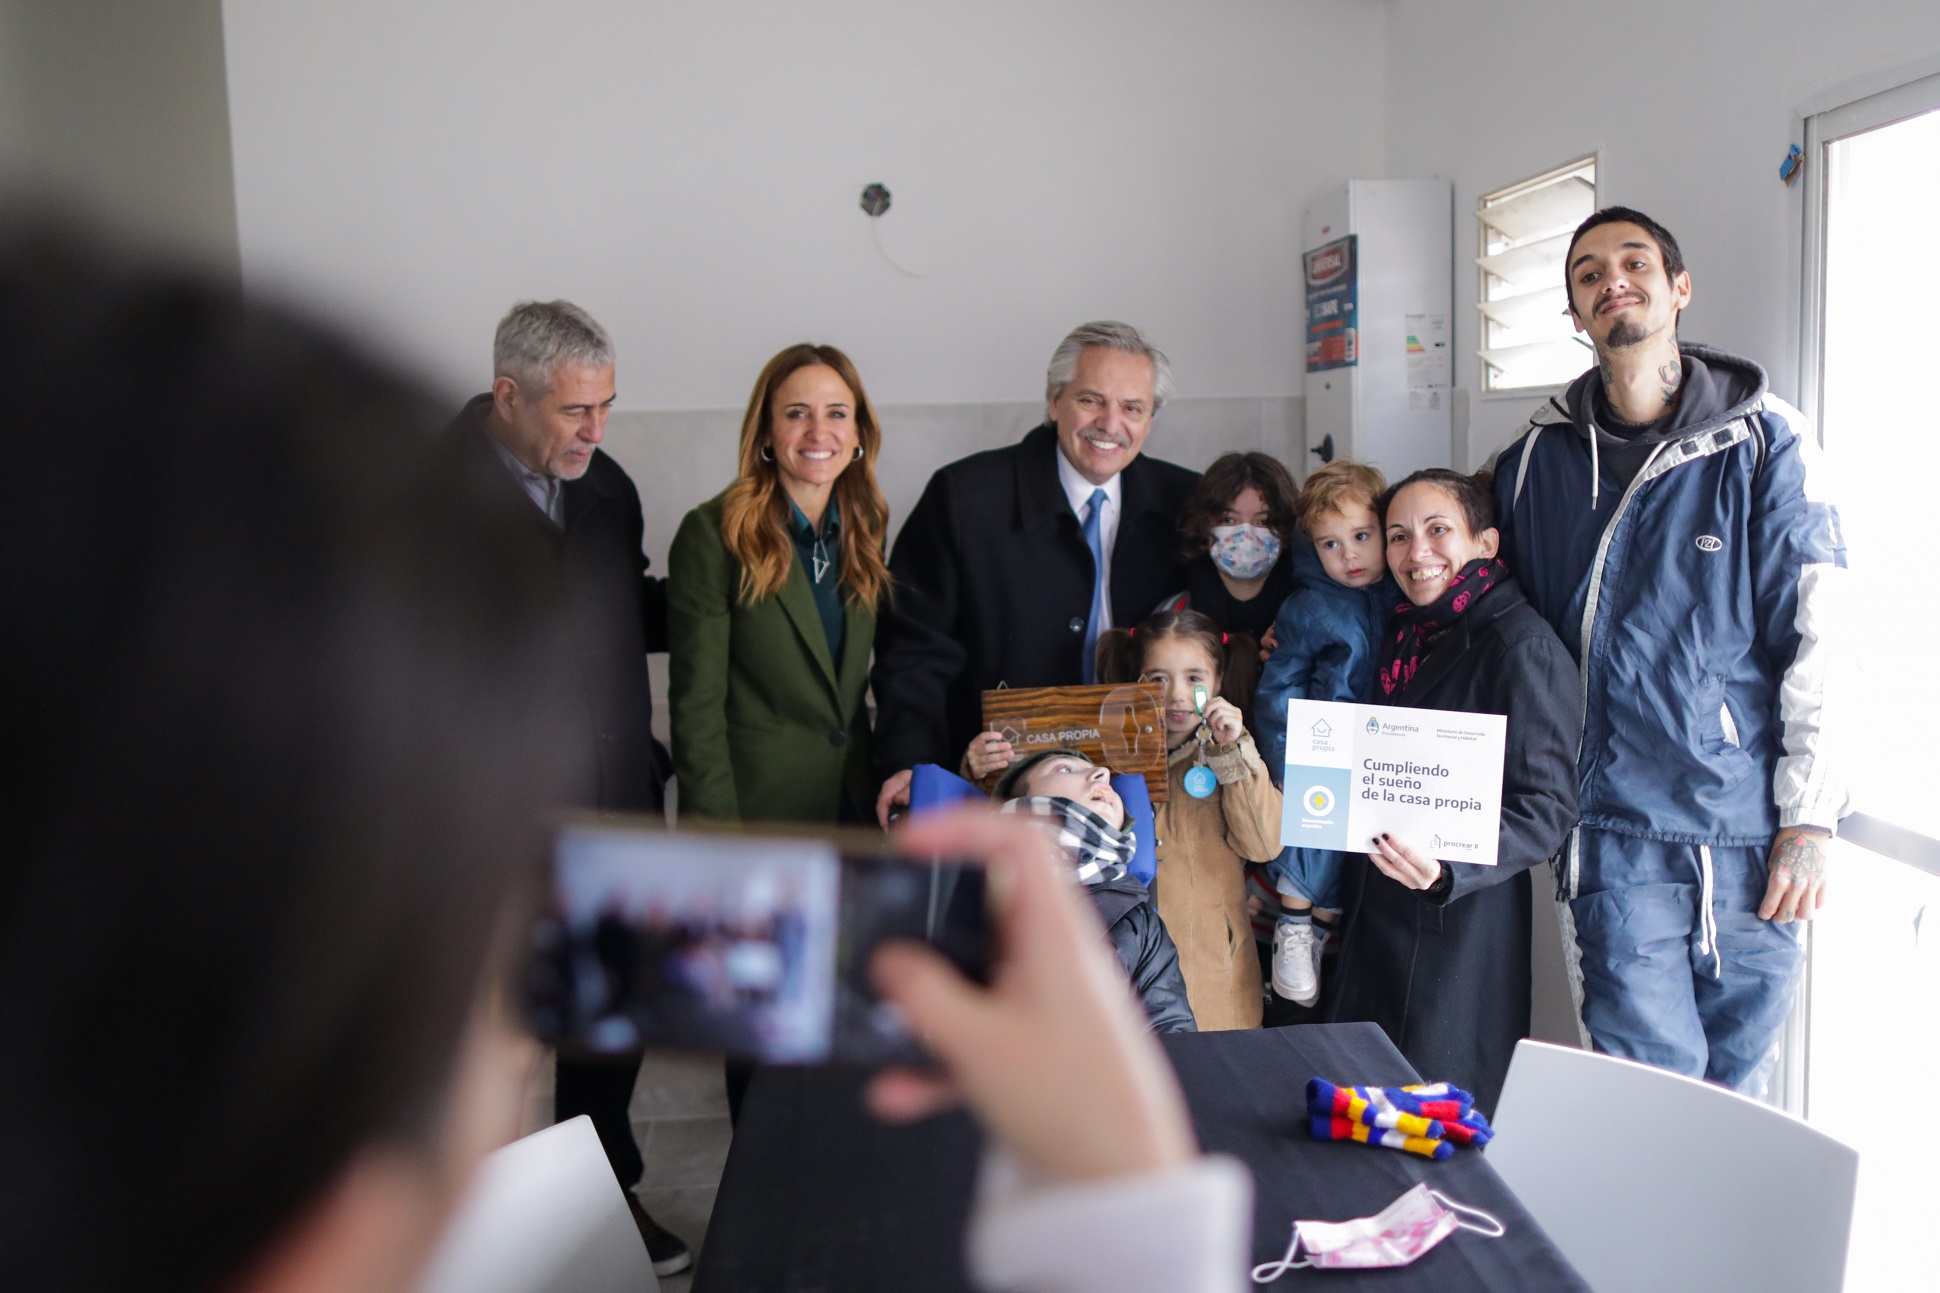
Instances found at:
x=289 y=712
x=296 y=714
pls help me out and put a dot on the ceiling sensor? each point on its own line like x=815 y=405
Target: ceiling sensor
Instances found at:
x=875 y=200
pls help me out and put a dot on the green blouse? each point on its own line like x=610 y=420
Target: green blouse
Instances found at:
x=822 y=562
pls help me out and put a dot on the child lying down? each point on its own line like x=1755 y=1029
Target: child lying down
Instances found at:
x=1074 y=795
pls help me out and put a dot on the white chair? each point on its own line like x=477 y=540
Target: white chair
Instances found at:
x=1657 y=1183
x=543 y=1215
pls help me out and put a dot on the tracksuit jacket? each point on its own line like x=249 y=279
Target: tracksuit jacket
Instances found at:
x=1697 y=600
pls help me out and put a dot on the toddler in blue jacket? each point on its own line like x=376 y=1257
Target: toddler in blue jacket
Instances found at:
x=1328 y=629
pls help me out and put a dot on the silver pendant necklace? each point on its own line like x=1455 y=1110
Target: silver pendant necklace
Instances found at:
x=820 y=559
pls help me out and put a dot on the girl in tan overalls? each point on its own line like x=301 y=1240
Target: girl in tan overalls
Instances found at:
x=1221 y=809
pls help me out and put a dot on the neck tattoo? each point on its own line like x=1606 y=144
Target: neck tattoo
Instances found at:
x=1672 y=375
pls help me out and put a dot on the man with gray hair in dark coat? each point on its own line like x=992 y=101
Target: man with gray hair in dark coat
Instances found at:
x=534 y=439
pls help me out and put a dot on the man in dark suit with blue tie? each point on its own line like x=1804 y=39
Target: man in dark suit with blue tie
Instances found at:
x=1014 y=560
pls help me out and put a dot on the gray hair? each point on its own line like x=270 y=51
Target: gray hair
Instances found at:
x=536 y=337
x=1112 y=336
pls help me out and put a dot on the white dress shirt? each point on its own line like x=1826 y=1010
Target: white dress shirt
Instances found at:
x=1078 y=490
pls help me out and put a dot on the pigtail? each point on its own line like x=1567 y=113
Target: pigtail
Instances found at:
x=1239 y=672
x=1118 y=657
x=1121 y=653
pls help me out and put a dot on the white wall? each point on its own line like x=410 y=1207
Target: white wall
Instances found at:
x=1691 y=105
x=690 y=174
x=680 y=457
x=117 y=108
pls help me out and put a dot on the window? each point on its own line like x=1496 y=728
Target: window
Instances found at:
x=1872 y=183
x=1880 y=187
x=1524 y=230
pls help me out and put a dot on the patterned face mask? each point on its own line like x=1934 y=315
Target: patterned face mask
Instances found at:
x=1245 y=551
x=1403 y=1231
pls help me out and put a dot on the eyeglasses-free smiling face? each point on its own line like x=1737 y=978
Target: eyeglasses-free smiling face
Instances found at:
x=1429 y=541
x=1104 y=412
x=1064 y=777
x=1620 y=293
x=812 y=428
x=1178 y=664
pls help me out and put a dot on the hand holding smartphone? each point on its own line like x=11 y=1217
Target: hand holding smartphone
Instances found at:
x=754 y=945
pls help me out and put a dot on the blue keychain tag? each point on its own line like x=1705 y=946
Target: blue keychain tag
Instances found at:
x=1200 y=781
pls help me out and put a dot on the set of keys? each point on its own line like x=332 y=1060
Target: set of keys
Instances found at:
x=1199 y=779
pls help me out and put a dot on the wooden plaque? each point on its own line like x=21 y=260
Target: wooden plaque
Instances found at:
x=1120 y=726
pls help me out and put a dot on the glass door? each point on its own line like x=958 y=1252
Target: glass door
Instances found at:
x=1872 y=357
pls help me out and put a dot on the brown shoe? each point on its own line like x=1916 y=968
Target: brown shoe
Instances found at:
x=665 y=1249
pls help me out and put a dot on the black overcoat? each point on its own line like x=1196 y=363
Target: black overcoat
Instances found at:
x=619 y=612
x=1449 y=981
x=992 y=583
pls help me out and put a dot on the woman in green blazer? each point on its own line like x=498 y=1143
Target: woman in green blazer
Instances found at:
x=772 y=589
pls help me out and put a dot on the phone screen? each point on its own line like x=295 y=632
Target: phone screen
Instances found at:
x=757 y=946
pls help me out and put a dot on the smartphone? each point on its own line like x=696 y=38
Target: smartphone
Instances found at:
x=754 y=945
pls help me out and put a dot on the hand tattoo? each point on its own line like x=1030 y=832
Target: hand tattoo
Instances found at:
x=1672 y=375
x=1801 y=858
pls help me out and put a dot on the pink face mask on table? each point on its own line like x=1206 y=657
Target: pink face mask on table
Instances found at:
x=1403 y=1231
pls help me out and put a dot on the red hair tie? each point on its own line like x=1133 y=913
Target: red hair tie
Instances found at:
x=1131 y=633
x=1222 y=639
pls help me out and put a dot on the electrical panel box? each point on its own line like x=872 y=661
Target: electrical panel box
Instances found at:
x=1380 y=355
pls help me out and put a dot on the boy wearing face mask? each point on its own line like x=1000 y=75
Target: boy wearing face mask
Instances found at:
x=1328 y=631
x=1235 y=530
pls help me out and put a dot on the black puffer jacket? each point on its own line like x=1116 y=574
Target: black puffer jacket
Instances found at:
x=1146 y=952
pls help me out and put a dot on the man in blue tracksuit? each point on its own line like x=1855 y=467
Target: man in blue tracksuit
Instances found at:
x=1660 y=515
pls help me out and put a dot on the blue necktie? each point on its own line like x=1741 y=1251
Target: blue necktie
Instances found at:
x=1095 y=540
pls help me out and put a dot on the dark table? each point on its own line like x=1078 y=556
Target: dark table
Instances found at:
x=819 y=1195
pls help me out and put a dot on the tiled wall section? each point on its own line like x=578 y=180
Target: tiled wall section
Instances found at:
x=682 y=458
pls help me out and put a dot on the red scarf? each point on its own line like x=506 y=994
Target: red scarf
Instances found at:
x=1416 y=627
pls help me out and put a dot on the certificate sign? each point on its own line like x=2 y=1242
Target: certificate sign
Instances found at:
x=1432 y=778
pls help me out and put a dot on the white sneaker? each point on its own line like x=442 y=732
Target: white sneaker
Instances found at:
x=1295 y=975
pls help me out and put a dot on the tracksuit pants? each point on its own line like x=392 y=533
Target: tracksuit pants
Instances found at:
x=1677 y=969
